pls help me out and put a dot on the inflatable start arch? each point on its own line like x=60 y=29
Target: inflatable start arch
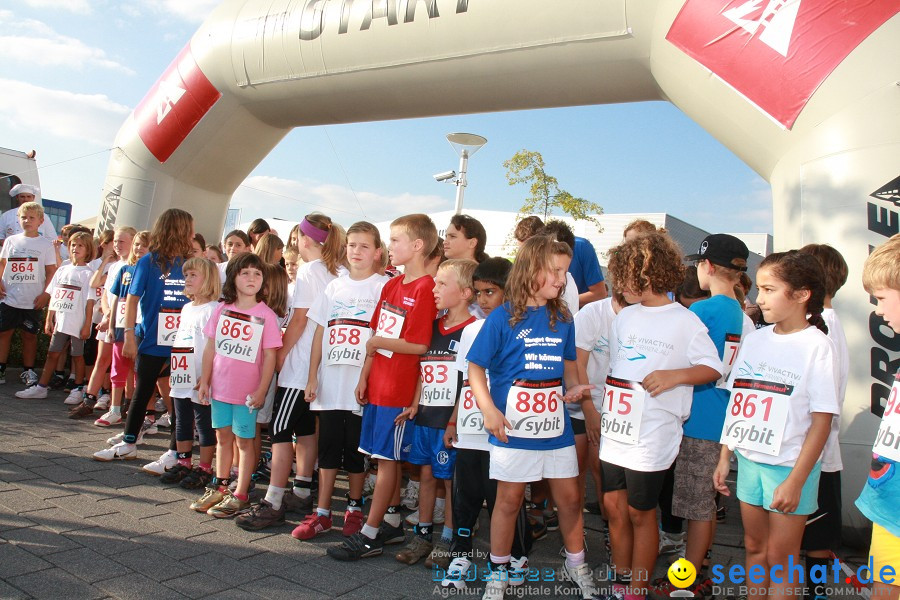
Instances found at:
x=804 y=91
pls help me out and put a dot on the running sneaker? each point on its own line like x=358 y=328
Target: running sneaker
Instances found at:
x=166 y=461
x=496 y=586
x=297 y=505
x=75 y=397
x=357 y=546
x=261 y=516
x=197 y=479
x=410 y=500
x=29 y=377
x=57 y=381
x=121 y=436
x=311 y=526
x=228 y=507
x=721 y=514
x=537 y=528
x=369 y=486
x=103 y=402
x=264 y=467
x=174 y=475
x=164 y=421
x=3 y=377
x=69 y=385
x=390 y=534
x=593 y=507
x=232 y=487
x=551 y=519
x=81 y=411
x=437 y=518
x=210 y=498
x=35 y=391
x=455 y=577
x=671 y=543
x=120 y=451
x=159 y=406
x=353 y=522
x=583 y=578
x=149 y=427
x=518 y=570
x=440 y=555
x=415 y=550
x=109 y=418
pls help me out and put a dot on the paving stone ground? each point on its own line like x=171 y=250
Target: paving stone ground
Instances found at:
x=72 y=528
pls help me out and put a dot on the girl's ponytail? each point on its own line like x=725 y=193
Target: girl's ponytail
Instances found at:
x=817 y=320
x=331 y=237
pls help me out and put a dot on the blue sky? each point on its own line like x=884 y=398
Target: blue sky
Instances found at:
x=74 y=69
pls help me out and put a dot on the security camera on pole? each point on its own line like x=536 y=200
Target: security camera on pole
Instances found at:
x=465 y=144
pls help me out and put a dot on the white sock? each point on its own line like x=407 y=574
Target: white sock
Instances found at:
x=574 y=560
x=274 y=496
x=369 y=531
x=323 y=512
x=439 y=503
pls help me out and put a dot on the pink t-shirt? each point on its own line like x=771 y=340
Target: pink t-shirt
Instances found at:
x=239 y=335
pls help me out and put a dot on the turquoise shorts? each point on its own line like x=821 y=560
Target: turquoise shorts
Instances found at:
x=756 y=485
x=237 y=416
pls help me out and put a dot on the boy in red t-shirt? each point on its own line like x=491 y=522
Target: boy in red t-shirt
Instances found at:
x=387 y=385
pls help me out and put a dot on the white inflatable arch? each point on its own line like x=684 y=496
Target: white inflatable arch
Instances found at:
x=804 y=91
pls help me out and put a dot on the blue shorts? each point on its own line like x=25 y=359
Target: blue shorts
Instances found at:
x=237 y=416
x=428 y=449
x=756 y=485
x=380 y=437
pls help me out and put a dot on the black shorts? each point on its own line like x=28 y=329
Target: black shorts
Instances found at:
x=339 y=441
x=578 y=426
x=823 y=527
x=642 y=487
x=90 y=347
x=30 y=320
x=290 y=416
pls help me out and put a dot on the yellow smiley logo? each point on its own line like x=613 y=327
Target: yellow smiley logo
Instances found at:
x=682 y=573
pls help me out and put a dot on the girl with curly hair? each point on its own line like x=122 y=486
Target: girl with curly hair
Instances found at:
x=658 y=351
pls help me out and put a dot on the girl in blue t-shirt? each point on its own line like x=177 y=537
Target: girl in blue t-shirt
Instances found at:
x=528 y=345
x=158 y=287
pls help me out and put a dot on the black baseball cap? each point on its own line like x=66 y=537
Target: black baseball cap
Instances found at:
x=723 y=250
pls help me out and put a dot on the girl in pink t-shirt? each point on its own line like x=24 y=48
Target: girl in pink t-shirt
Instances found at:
x=238 y=364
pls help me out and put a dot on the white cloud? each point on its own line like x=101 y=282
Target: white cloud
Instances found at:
x=195 y=11
x=76 y=6
x=291 y=199
x=35 y=42
x=90 y=117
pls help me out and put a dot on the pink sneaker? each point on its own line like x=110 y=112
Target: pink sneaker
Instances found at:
x=353 y=522
x=311 y=526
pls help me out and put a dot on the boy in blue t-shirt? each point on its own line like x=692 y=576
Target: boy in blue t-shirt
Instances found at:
x=720 y=261
x=881 y=495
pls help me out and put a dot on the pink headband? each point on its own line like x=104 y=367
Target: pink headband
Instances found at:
x=312 y=231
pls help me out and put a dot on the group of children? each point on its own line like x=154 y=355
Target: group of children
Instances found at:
x=479 y=372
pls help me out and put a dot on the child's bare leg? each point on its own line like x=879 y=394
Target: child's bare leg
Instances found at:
x=646 y=550
x=756 y=541
x=47 y=373
x=427 y=494
x=503 y=519
x=78 y=369
x=29 y=351
x=620 y=531
x=571 y=518
x=385 y=491
x=246 y=465
x=785 y=535
x=224 y=452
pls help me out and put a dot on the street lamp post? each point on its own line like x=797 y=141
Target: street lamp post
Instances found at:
x=465 y=144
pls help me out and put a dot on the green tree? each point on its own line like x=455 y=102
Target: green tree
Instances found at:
x=527 y=167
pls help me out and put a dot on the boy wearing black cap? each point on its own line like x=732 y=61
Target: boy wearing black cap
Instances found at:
x=720 y=261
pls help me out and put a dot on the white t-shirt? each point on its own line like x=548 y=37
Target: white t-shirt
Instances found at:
x=592 y=325
x=644 y=339
x=112 y=273
x=749 y=327
x=10 y=226
x=190 y=335
x=469 y=441
x=831 y=456
x=345 y=307
x=571 y=294
x=312 y=278
x=98 y=292
x=40 y=250
x=70 y=291
x=803 y=360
